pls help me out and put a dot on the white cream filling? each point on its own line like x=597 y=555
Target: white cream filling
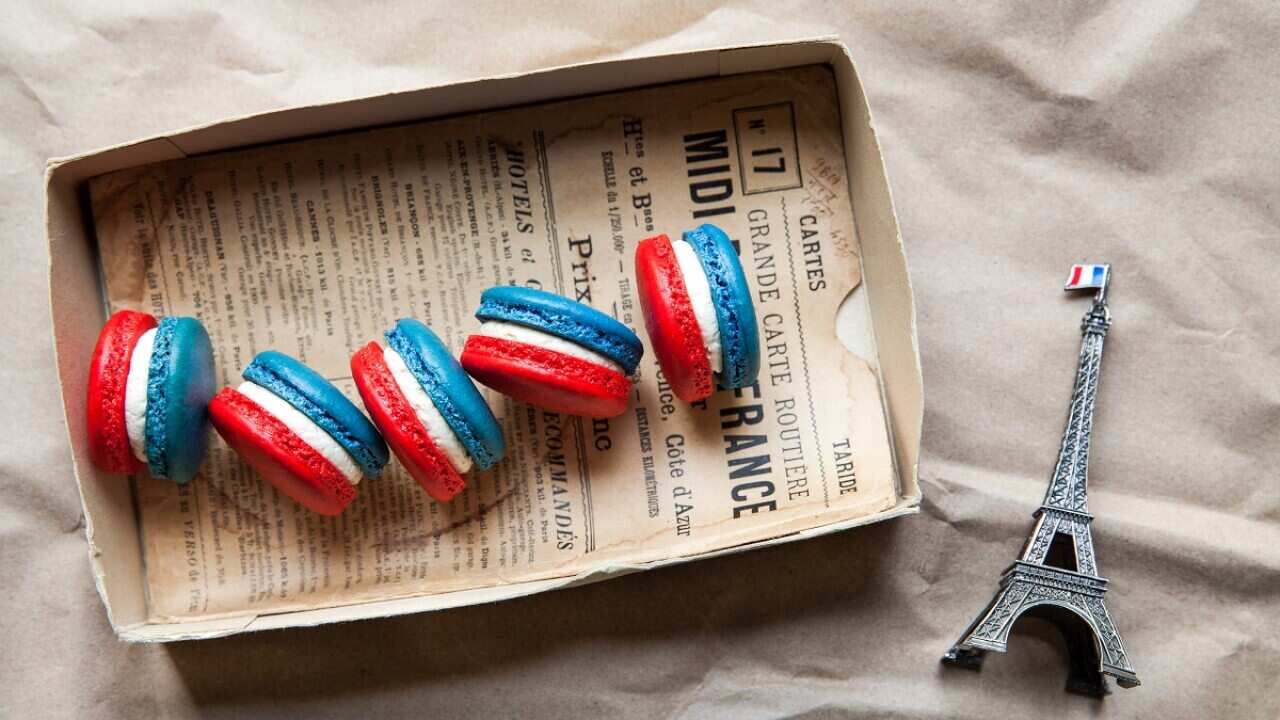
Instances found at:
x=135 y=394
x=546 y=341
x=699 y=289
x=305 y=428
x=428 y=414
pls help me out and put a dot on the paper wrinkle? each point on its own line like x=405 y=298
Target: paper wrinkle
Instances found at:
x=26 y=90
x=1200 y=541
x=1114 y=46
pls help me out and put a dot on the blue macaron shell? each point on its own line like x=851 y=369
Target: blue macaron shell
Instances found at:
x=317 y=398
x=564 y=318
x=735 y=313
x=180 y=383
x=450 y=389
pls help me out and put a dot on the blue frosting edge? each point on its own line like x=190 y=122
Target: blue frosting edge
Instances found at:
x=437 y=389
x=258 y=372
x=155 y=430
x=735 y=313
x=624 y=352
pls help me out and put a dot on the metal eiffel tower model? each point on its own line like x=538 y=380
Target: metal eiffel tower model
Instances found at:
x=1056 y=578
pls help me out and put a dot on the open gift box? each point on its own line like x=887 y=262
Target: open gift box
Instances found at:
x=310 y=229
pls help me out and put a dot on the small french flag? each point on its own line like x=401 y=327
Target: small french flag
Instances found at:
x=1086 y=276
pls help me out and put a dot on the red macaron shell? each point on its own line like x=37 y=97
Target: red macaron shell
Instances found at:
x=545 y=378
x=670 y=320
x=279 y=455
x=108 y=374
x=400 y=426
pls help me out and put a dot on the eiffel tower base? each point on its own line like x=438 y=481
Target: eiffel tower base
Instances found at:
x=1070 y=601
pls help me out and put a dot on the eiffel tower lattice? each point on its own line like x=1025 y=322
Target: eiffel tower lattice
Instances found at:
x=1056 y=578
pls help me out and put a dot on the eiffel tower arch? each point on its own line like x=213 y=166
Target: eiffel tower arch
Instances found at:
x=1056 y=576
x=1072 y=602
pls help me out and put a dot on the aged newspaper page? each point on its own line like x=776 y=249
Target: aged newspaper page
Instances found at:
x=316 y=247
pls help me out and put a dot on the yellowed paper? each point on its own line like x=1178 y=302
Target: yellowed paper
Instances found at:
x=315 y=248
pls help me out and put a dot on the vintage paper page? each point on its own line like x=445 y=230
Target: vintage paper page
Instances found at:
x=315 y=248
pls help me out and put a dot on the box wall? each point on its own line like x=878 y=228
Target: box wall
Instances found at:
x=885 y=278
x=75 y=304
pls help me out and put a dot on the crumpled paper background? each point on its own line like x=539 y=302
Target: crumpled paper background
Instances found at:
x=1019 y=138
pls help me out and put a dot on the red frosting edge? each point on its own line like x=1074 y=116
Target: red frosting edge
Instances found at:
x=400 y=427
x=279 y=455
x=104 y=407
x=670 y=320
x=545 y=378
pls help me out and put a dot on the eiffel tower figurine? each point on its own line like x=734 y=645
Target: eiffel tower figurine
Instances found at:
x=1056 y=578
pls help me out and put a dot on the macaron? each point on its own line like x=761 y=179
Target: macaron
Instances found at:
x=552 y=352
x=149 y=387
x=698 y=312
x=431 y=414
x=299 y=432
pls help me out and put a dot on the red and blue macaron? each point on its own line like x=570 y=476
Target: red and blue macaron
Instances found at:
x=149 y=386
x=431 y=414
x=552 y=352
x=299 y=432
x=698 y=312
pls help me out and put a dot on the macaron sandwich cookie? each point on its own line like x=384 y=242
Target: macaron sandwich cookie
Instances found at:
x=552 y=352
x=149 y=385
x=299 y=432
x=431 y=414
x=698 y=312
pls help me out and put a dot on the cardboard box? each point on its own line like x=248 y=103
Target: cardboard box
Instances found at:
x=111 y=522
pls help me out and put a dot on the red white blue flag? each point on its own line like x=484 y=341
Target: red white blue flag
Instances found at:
x=1084 y=277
